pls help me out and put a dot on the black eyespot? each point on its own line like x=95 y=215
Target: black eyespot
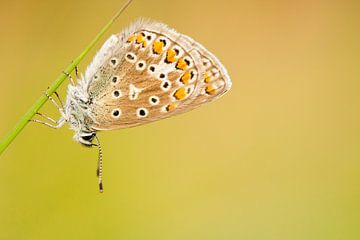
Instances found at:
x=162 y=75
x=130 y=56
x=187 y=61
x=116 y=93
x=152 y=68
x=114 y=79
x=96 y=77
x=141 y=64
x=166 y=85
x=143 y=34
x=142 y=112
x=113 y=61
x=192 y=75
x=116 y=113
x=154 y=100
x=176 y=51
x=148 y=37
x=164 y=42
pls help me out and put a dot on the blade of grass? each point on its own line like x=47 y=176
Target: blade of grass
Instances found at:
x=61 y=78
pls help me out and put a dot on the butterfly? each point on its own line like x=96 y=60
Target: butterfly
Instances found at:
x=145 y=73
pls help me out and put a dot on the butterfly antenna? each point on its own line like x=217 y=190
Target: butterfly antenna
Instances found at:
x=99 y=167
x=121 y=10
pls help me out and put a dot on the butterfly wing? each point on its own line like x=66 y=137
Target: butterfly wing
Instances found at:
x=213 y=80
x=150 y=72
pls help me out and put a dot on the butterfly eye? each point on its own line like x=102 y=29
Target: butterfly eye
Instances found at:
x=88 y=137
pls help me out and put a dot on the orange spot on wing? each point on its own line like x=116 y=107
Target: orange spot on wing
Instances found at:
x=207 y=78
x=210 y=90
x=170 y=57
x=181 y=64
x=180 y=93
x=170 y=107
x=131 y=38
x=158 y=47
x=144 y=44
x=185 y=78
x=140 y=38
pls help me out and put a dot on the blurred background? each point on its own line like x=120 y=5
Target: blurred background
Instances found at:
x=275 y=158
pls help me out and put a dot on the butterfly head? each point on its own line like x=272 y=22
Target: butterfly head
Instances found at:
x=83 y=134
x=85 y=138
x=77 y=115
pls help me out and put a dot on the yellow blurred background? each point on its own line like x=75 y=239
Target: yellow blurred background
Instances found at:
x=276 y=158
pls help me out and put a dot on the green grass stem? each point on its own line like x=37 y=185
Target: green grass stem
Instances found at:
x=52 y=88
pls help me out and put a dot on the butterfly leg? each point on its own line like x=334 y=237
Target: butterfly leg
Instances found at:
x=80 y=76
x=59 y=123
x=46 y=117
x=61 y=109
x=70 y=77
x=77 y=73
x=59 y=99
x=55 y=124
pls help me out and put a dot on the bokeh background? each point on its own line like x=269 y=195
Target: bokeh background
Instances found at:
x=276 y=158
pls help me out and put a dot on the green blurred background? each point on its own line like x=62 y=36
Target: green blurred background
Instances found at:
x=276 y=158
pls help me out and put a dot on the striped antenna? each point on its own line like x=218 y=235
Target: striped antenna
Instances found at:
x=100 y=165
